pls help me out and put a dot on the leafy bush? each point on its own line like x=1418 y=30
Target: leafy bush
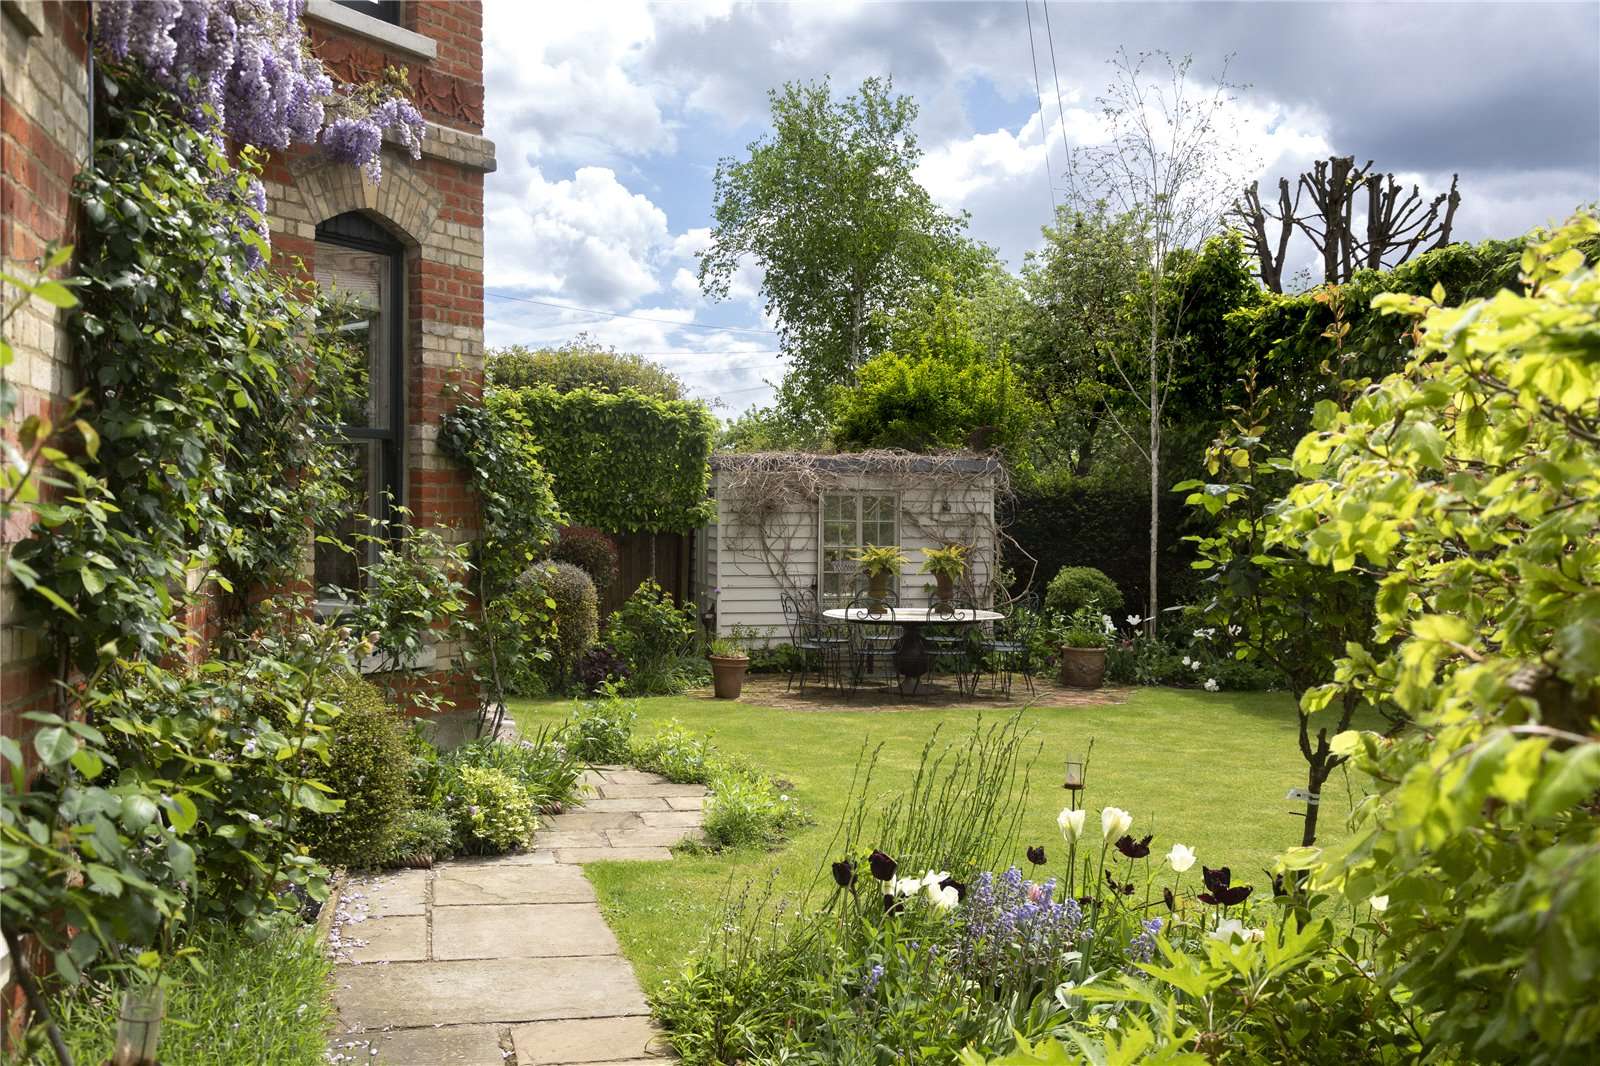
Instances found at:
x=593 y=551
x=775 y=659
x=546 y=767
x=489 y=810
x=1076 y=587
x=1142 y=660
x=744 y=807
x=656 y=637
x=580 y=364
x=600 y=666
x=256 y=999
x=677 y=754
x=600 y=731
x=577 y=616
x=368 y=768
x=421 y=837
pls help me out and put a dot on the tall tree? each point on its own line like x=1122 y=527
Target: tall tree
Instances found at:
x=828 y=207
x=1391 y=226
x=1167 y=162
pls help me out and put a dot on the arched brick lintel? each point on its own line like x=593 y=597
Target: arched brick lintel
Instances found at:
x=402 y=202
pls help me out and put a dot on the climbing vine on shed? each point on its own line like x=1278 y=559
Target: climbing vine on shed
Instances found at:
x=623 y=462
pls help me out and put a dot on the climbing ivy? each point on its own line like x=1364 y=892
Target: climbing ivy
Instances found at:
x=623 y=462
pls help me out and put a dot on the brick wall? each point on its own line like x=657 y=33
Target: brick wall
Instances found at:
x=433 y=205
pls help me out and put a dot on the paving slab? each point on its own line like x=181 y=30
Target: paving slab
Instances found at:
x=418 y=994
x=651 y=838
x=457 y=886
x=578 y=856
x=592 y=778
x=452 y=1045
x=521 y=931
x=626 y=803
x=624 y=791
x=587 y=1040
x=392 y=894
x=671 y=819
x=571 y=838
x=634 y=777
x=595 y=820
x=685 y=803
x=403 y=938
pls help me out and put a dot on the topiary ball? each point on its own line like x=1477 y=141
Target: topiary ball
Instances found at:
x=590 y=549
x=577 y=615
x=368 y=768
x=1075 y=587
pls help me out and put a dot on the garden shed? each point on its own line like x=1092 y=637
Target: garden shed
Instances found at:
x=793 y=522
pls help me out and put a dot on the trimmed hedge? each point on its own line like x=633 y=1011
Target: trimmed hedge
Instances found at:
x=577 y=614
x=368 y=768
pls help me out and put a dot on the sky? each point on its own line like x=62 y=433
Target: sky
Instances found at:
x=610 y=116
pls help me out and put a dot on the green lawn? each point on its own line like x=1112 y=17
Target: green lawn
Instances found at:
x=1208 y=770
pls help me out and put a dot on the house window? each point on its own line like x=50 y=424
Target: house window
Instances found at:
x=383 y=10
x=364 y=267
x=850 y=521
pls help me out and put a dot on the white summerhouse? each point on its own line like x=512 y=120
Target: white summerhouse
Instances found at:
x=789 y=521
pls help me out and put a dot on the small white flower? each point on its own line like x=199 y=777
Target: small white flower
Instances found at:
x=1231 y=930
x=1234 y=631
x=932 y=878
x=1180 y=858
x=943 y=898
x=1111 y=627
x=1195 y=666
x=1114 y=822
x=908 y=886
x=1070 y=823
x=1211 y=684
x=1187 y=661
x=1379 y=903
x=1134 y=620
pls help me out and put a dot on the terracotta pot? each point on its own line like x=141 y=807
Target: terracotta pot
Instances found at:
x=878 y=585
x=1082 y=667
x=944 y=587
x=727 y=675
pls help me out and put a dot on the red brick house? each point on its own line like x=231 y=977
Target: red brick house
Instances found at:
x=409 y=248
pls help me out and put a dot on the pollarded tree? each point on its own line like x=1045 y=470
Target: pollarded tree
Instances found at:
x=1469 y=486
x=829 y=208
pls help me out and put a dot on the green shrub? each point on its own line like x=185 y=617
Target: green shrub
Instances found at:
x=1076 y=587
x=577 y=615
x=545 y=767
x=591 y=550
x=580 y=364
x=490 y=811
x=745 y=806
x=600 y=730
x=368 y=768
x=656 y=636
x=677 y=754
x=421 y=837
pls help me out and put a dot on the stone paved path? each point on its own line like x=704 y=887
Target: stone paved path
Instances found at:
x=506 y=961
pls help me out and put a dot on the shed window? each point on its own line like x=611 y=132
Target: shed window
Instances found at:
x=851 y=521
x=357 y=262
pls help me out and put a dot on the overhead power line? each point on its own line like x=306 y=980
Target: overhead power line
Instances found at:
x=622 y=314
x=1061 y=108
x=1038 y=92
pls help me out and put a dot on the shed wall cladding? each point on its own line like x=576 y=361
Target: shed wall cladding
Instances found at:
x=744 y=565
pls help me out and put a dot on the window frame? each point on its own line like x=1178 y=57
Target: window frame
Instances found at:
x=356 y=232
x=382 y=10
x=858 y=496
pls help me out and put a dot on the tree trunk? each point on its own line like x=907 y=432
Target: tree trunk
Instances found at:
x=1316 y=774
x=1155 y=451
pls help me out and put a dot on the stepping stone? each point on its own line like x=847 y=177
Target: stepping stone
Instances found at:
x=595 y=820
x=587 y=1040
x=392 y=894
x=650 y=838
x=577 y=856
x=686 y=803
x=465 y=885
x=634 y=777
x=400 y=939
x=666 y=819
x=635 y=803
x=420 y=994
x=570 y=838
x=592 y=778
x=453 y=1045
x=666 y=789
x=541 y=930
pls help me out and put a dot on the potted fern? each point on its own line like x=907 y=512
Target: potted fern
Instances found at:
x=946 y=564
x=880 y=562
x=1083 y=648
x=729 y=661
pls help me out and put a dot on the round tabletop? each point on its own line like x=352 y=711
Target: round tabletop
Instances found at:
x=912 y=616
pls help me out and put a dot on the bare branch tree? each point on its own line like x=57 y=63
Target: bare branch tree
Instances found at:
x=1395 y=223
x=1168 y=161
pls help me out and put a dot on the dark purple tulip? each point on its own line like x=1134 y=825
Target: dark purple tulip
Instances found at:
x=1216 y=880
x=883 y=867
x=1036 y=854
x=1168 y=899
x=1223 y=892
x=1134 y=849
x=844 y=873
x=959 y=886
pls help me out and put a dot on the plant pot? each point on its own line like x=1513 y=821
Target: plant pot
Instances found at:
x=944 y=587
x=878 y=586
x=727 y=675
x=1082 y=667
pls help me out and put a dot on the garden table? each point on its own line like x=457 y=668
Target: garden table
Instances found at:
x=911 y=658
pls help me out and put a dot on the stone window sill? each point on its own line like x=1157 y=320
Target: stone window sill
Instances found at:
x=363 y=25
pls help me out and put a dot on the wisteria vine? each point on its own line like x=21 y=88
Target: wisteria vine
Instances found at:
x=244 y=69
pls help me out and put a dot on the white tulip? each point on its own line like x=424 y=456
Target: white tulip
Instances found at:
x=1070 y=823
x=1114 y=821
x=943 y=898
x=1379 y=903
x=908 y=886
x=1134 y=619
x=932 y=878
x=1232 y=929
x=1180 y=858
